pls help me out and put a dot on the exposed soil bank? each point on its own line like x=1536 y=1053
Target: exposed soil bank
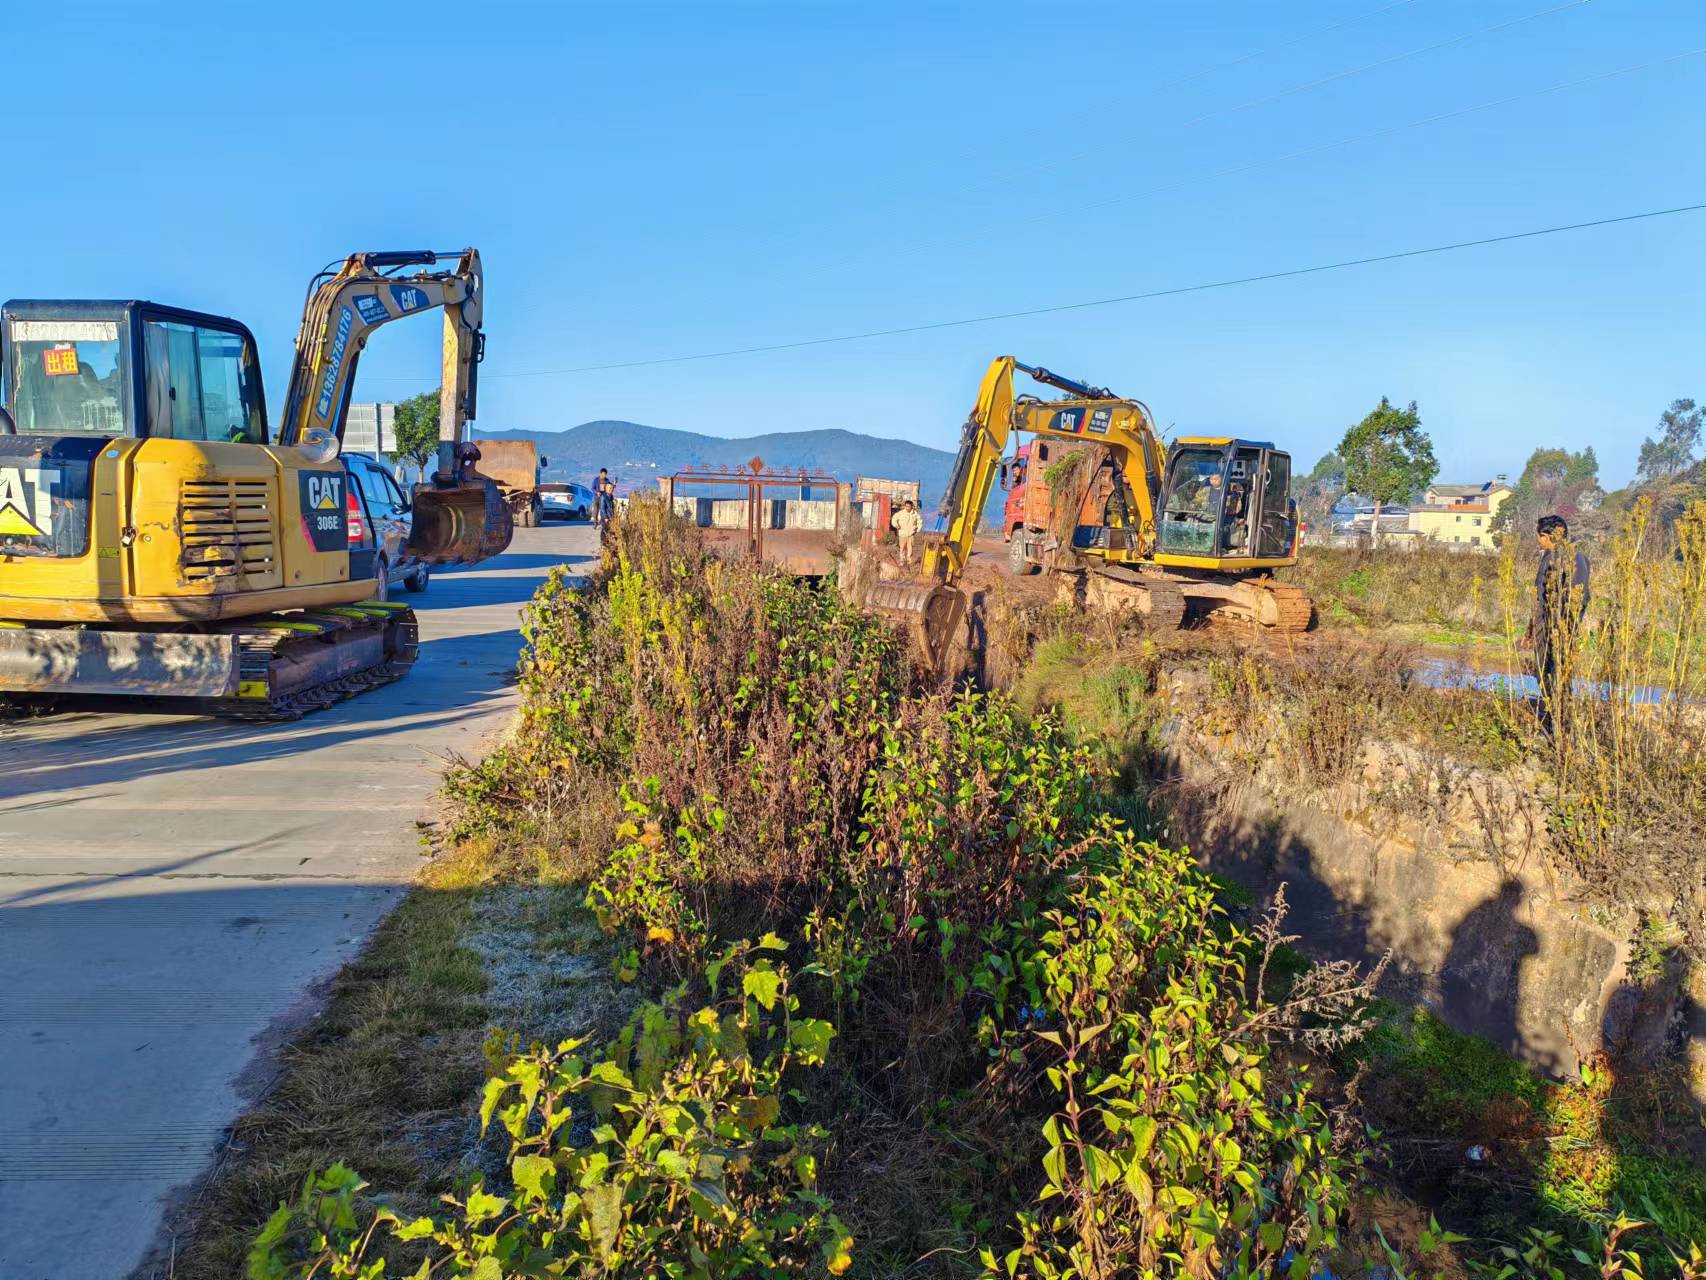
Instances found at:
x=1482 y=931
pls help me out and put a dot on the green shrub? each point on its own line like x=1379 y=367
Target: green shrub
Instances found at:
x=1009 y=978
x=965 y=811
x=689 y=1164
x=1175 y=1143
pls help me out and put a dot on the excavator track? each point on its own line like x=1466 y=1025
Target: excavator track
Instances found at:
x=1167 y=601
x=1113 y=589
x=270 y=667
x=295 y=663
x=1287 y=604
x=1279 y=607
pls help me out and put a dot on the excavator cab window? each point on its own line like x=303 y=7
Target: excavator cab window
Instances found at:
x=203 y=383
x=1192 y=512
x=67 y=375
x=1242 y=498
x=1274 y=527
x=1231 y=501
x=130 y=369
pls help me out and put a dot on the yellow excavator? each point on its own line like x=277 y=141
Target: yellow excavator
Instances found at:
x=1171 y=534
x=155 y=542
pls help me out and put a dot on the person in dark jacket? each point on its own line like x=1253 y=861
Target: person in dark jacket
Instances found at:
x=1560 y=600
x=603 y=498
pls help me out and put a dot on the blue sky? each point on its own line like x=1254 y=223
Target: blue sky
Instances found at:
x=654 y=180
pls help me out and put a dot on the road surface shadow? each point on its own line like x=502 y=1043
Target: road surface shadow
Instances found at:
x=146 y=1021
x=512 y=561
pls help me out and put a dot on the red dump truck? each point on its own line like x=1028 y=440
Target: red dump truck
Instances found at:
x=516 y=466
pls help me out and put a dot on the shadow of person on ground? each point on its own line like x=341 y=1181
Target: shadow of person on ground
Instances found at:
x=1481 y=979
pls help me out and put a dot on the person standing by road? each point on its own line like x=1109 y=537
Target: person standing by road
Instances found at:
x=907 y=522
x=1560 y=601
x=603 y=497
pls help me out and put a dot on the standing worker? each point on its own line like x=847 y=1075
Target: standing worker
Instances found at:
x=603 y=497
x=907 y=522
x=1560 y=600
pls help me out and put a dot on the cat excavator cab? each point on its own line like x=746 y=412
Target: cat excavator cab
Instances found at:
x=155 y=541
x=1170 y=534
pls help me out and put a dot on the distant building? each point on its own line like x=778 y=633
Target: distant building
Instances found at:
x=1460 y=515
x=1353 y=520
x=867 y=487
x=1495 y=491
x=371 y=428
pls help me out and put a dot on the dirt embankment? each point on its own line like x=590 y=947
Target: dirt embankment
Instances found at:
x=1402 y=817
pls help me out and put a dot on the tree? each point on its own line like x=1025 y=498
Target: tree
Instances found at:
x=1679 y=439
x=1555 y=482
x=1388 y=457
x=416 y=425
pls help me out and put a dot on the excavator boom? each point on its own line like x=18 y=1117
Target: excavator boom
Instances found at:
x=459 y=516
x=1093 y=413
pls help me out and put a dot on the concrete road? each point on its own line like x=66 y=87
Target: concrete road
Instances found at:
x=172 y=889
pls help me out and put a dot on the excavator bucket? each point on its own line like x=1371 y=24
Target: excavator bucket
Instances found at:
x=932 y=612
x=461 y=523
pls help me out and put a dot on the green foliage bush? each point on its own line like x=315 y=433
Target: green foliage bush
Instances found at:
x=688 y=1164
x=1176 y=1143
x=968 y=807
x=981 y=958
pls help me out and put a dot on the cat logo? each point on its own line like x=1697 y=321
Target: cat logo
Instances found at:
x=26 y=501
x=324 y=519
x=325 y=492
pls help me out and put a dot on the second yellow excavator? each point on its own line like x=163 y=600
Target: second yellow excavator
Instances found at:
x=155 y=542
x=1172 y=534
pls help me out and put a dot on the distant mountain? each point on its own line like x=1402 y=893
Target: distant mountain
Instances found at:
x=637 y=454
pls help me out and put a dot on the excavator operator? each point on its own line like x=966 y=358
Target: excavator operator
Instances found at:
x=1197 y=492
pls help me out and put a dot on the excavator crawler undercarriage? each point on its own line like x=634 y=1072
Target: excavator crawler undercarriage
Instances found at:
x=270 y=667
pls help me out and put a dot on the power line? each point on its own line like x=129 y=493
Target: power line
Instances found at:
x=914 y=250
x=1115 y=301
x=1314 y=149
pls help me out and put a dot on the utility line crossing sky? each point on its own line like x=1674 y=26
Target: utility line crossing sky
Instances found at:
x=649 y=181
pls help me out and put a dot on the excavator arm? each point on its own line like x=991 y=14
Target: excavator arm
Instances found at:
x=459 y=515
x=983 y=439
x=1091 y=414
x=935 y=608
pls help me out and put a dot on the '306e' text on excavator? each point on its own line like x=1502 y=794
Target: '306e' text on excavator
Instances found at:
x=154 y=541
x=1171 y=534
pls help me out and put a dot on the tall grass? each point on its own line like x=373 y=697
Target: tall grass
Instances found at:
x=1623 y=763
x=1624 y=758
x=1426 y=585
